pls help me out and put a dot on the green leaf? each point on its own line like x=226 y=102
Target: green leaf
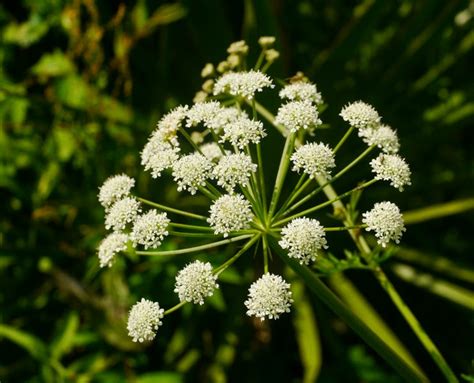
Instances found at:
x=64 y=342
x=162 y=377
x=352 y=320
x=26 y=33
x=33 y=345
x=53 y=65
x=438 y=211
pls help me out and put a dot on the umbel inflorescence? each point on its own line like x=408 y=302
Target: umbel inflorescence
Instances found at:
x=214 y=148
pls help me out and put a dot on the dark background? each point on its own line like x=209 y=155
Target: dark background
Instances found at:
x=82 y=84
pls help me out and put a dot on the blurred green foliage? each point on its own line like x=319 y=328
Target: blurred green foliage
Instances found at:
x=82 y=83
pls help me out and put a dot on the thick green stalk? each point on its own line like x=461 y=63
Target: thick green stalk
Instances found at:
x=353 y=321
x=343 y=139
x=232 y=259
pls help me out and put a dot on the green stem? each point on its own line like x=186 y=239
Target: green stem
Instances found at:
x=192 y=227
x=324 y=204
x=340 y=309
x=282 y=170
x=269 y=117
x=298 y=189
x=261 y=178
x=343 y=139
x=172 y=210
x=195 y=248
x=191 y=234
x=327 y=182
x=174 y=308
x=344 y=228
x=232 y=259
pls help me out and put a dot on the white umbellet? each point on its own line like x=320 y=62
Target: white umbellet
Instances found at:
x=170 y=123
x=195 y=282
x=150 y=229
x=295 y=115
x=234 y=169
x=314 y=159
x=303 y=238
x=158 y=155
x=144 y=319
x=243 y=131
x=115 y=188
x=360 y=115
x=301 y=91
x=230 y=213
x=191 y=172
x=386 y=221
x=110 y=246
x=269 y=297
x=393 y=168
x=243 y=84
x=383 y=137
x=121 y=213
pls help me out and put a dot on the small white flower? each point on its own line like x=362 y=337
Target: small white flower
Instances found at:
x=314 y=159
x=266 y=41
x=115 y=188
x=393 y=168
x=234 y=169
x=170 y=123
x=230 y=213
x=269 y=296
x=304 y=238
x=383 y=137
x=150 y=229
x=301 y=91
x=360 y=115
x=212 y=115
x=386 y=221
x=144 y=319
x=191 y=172
x=158 y=155
x=243 y=131
x=195 y=282
x=211 y=151
x=296 y=115
x=121 y=213
x=110 y=246
x=244 y=84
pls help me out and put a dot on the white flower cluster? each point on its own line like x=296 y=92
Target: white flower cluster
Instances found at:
x=230 y=213
x=196 y=282
x=243 y=131
x=150 y=229
x=315 y=160
x=296 y=115
x=121 y=213
x=386 y=221
x=212 y=115
x=115 y=188
x=303 y=238
x=234 y=169
x=211 y=151
x=170 y=123
x=158 y=155
x=301 y=91
x=143 y=320
x=382 y=136
x=191 y=172
x=393 y=168
x=110 y=246
x=269 y=296
x=243 y=84
x=360 y=115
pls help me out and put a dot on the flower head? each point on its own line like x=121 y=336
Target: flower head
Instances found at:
x=244 y=84
x=144 y=319
x=295 y=115
x=238 y=48
x=171 y=122
x=304 y=238
x=158 y=155
x=301 y=91
x=243 y=131
x=196 y=282
x=393 y=168
x=234 y=169
x=230 y=213
x=360 y=115
x=383 y=137
x=315 y=160
x=212 y=115
x=269 y=296
x=191 y=172
x=122 y=212
x=386 y=221
x=150 y=229
x=115 y=188
x=110 y=246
